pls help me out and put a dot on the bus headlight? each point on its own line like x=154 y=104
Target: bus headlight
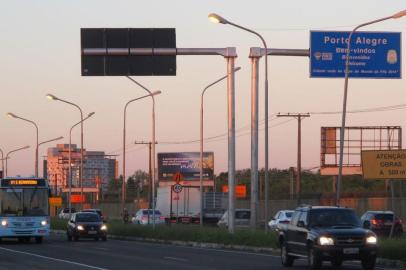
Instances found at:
x=103 y=228
x=44 y=223
x=80 y=228
x=372 y=240
x=326 y=241
x=4 y=223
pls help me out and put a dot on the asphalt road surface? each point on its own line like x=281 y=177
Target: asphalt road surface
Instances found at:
x=57 y=253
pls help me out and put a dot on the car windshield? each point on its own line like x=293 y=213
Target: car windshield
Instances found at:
x=87 y=217
x=23 y=202
x=149 y=212
x=333 y=218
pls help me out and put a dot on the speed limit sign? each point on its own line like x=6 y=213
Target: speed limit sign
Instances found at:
x=177 y=188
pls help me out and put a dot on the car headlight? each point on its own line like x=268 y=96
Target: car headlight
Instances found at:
x=103 y=227
x=4 y=223
x=80 y=228
x=326 y=241
x=372 y=240
x=44 y=223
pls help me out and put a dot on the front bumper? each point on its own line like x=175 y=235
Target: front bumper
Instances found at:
x=21 y=232
x=346 y=252
x=86 y=234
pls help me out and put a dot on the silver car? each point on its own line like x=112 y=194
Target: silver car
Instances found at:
x=242 y=218
x=145 y=217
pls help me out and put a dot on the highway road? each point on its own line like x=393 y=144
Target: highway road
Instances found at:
x=57 y=253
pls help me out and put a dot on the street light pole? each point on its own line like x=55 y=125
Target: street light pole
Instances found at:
x=12 y=151
x=36 y=148
x=254 y=128
x=153 y=147
x=201 y=141
x=2 y=162
x=124 y=146
x=347 y=71
x=52 y=97
x=70 y=160
x=48 y=141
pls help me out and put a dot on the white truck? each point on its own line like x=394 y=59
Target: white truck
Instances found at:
x=182 y=207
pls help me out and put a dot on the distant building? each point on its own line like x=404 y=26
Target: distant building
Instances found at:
x=98 y=167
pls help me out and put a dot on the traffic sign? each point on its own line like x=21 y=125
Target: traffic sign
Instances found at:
x=372 y=54
x=384 y=164
x=55 y=201
x=177 y=188
x=177 y=177
x=124 y=40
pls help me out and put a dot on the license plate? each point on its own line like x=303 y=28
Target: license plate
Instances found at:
x=351 y=250
x=388 y=223
x=92 y=232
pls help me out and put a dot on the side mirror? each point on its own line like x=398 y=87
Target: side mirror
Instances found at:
x=367 y=224
x=301 y=224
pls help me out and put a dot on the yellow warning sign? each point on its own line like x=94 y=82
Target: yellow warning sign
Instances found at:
x=384 y=164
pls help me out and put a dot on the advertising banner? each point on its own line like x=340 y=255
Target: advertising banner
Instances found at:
x=185 y=163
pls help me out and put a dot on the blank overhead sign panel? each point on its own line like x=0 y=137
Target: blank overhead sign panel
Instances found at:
x=372 y=54
x=116 y=46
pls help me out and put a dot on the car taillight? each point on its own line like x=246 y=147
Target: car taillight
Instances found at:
x=400 y=221
x=374 y=222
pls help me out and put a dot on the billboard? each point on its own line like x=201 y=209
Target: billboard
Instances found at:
x=372 y=54
x=185 y=163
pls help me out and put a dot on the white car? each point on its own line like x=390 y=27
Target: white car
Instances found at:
x=145 y=217
x=241 y=220
x=282 y=217
x=64 y=214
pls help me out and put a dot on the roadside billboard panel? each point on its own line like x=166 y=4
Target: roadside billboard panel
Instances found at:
x=185 y=163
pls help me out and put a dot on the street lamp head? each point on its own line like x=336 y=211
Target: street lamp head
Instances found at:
x=237 y=69
x=399 y=14
x=217 y=18
x=51 y=97
x=156 y=93
x=12 y=115
x=25 y=147
x=90 y=114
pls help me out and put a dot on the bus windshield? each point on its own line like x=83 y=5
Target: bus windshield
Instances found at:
x=23 y=202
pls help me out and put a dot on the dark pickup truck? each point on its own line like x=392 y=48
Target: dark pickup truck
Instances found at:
x=323 y=233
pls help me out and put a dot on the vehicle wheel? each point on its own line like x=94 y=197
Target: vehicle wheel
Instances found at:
x=286 y=259
x=96 y=239
x=104 y=238
x=75 y=238
x=313 y=259
x=69 y=237
x=368 y=263
x=38 y=240
x=20 y=240
x=398 y=231
x=336 y=262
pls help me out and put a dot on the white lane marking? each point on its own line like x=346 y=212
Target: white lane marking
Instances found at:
x=53 y=259
x=101 y=248
x=176 y=259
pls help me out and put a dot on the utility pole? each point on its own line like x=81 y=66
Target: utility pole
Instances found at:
x=299 y=117
x=150 y=167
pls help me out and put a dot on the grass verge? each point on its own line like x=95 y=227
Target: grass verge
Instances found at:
x=186 y=233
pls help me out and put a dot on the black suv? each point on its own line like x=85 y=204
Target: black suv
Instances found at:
x=322 y=233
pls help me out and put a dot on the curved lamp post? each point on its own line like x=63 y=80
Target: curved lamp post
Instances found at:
x=347 y=71
x=124 y=137
x=12 y=151
x=51 y=140
x=52 y=97
x=219 y=19
x=12 y=115
x=201 y=141
x=153 y=147
x=69 y=161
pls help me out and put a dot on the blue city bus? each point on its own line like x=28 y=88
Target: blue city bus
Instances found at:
x=24 y=210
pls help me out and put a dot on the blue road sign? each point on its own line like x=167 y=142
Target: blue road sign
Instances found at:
x=372 y=54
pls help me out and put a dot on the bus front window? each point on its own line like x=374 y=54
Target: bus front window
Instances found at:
x=11 y=203
x=35 y=202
